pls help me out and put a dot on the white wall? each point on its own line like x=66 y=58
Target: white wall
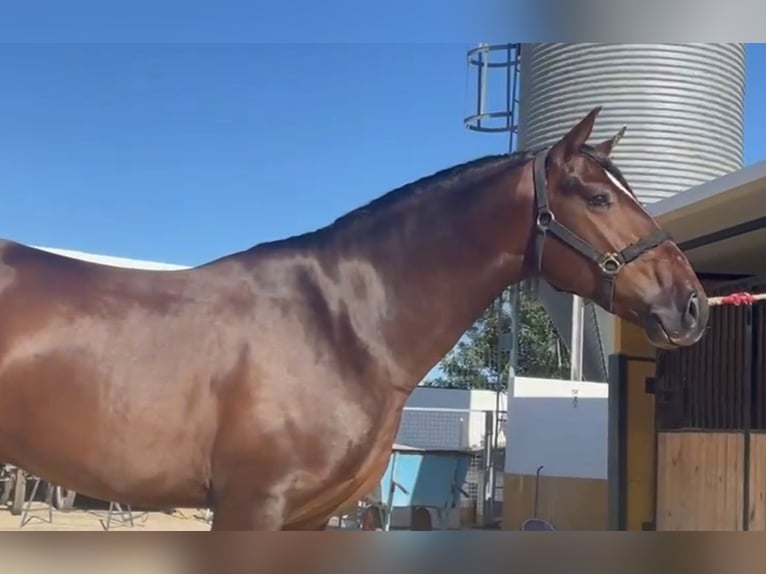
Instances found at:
x=547 y=426
x=112 y=260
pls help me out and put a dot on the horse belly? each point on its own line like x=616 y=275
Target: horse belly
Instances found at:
x=166 y=466
x=141 y=452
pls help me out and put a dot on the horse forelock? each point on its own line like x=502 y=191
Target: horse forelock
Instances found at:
x=615 y=175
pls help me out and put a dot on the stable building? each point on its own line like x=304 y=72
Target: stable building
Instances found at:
x=687 y=428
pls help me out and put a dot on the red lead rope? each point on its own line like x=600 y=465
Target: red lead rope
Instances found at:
x=742 y=298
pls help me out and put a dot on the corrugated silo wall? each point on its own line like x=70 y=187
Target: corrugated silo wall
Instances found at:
x=683 y=106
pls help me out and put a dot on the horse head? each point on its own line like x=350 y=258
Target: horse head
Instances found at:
x=593 y=237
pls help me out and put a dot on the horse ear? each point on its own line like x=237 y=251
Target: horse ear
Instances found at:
x=606 y=146
x=571 y=143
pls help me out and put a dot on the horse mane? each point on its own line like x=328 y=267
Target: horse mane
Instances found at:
x=444 y=179
x=416 y=191
x=422 y=189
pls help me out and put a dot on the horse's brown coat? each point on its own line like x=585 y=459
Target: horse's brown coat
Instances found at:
x=270 y=383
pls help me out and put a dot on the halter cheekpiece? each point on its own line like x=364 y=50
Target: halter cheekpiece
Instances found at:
x=609 y=264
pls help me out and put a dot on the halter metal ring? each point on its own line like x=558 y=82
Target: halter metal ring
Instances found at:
x=610 y=264
x=544 y=219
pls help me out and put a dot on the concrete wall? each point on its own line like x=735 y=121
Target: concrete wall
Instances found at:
x=561 y=426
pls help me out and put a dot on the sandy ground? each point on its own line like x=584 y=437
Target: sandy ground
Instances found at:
x=79 y=519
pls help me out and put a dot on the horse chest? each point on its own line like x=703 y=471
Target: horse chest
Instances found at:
x=355 y=475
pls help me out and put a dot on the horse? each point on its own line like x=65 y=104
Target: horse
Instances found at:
x=268 y=384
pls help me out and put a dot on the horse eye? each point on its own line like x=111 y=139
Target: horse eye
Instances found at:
x=598 y=200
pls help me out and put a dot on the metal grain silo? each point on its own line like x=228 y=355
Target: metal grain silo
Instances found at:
x=683 y=105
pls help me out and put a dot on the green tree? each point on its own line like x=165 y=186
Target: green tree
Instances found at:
x=481 y=358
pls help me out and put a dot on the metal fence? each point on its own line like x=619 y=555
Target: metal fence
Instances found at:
x=444 y=428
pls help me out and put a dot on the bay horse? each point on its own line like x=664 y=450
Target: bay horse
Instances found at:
x=268 y=384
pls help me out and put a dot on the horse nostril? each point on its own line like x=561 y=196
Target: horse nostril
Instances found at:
x=692 y=308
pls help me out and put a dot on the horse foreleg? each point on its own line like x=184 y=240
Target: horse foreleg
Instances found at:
x=247 y=510
x=315 y=525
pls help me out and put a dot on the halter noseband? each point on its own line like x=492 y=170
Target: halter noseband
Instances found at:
x=609 y=264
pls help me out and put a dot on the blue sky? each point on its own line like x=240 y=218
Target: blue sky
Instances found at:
x=186 y=152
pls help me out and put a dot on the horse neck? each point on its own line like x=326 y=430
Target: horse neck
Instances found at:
x=440 y=266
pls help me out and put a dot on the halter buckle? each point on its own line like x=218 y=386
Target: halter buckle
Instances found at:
x=544 y=219
x=610 y=264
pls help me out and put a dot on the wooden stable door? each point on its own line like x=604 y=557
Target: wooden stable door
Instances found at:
x=705 y=480
x=700 y=481
x=710 y=416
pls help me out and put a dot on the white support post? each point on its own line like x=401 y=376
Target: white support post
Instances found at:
x=576 y=345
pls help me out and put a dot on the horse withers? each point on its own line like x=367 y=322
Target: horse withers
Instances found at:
x=269 y=384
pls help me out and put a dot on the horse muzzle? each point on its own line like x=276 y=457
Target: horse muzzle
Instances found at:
x=678 y=323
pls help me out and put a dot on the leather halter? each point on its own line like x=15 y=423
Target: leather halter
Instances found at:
x=609 y=264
